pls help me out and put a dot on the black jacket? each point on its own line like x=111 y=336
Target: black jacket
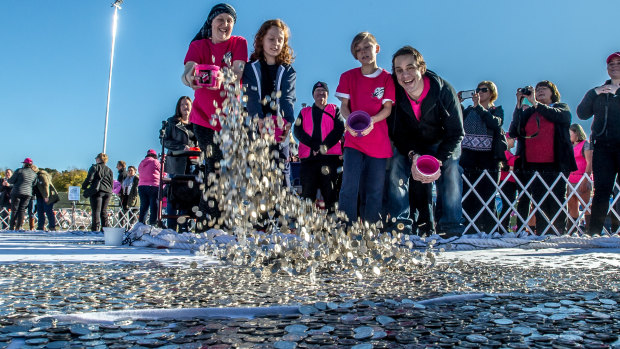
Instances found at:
x=559 y=114
x=606 y=124
x=177 y=135
x=24 y=180
x=441 y=122
x=5 y=194
x=99 y=174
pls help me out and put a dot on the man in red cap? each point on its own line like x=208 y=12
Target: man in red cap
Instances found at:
x=603 y=102
x=23 y=181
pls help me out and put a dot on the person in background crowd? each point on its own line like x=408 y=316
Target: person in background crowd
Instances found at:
x=319 y=129
x=545 y=148
x=47 y=196
x=5 y=199
x=23 y=181
x=371 y=89
x=603 y=102
x=214 y=45
x=129 y=195
x=121 y=166
x=148 y=187
x=98 y=189
x=270 y=73
x=178 y=135
x=483 y=149
x=583 y=188
x=427 y=120
x=31 y=209
x=508 y=184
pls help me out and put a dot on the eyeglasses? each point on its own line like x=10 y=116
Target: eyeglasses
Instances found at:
x=482 y=89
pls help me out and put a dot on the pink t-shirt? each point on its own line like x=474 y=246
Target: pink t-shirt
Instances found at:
x=368 y=93
x=417 y=105
x=511 y=158
x=206 y=52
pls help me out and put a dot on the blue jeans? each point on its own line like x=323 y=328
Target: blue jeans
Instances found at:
x=148 y=201
x=449 y=196
x=43 y=210
x=366 y=174
x=396 y=197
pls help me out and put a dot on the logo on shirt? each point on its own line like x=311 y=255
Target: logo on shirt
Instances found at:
x=227 y=59
x=378 y=92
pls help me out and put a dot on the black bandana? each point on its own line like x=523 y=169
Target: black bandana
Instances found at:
x=205 y=31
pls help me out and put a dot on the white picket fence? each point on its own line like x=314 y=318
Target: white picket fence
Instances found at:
x=521 y=223
x=79 y=219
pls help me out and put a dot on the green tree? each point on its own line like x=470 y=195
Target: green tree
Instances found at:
x=63 y=180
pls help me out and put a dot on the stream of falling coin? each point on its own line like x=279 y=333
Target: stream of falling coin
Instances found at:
x=296 y=237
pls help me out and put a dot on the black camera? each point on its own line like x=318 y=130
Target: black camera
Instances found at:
x=525 y=91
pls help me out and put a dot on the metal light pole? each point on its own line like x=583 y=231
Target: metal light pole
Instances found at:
x=117 y=6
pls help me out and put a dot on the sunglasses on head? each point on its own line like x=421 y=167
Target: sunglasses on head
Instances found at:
x=482 y=89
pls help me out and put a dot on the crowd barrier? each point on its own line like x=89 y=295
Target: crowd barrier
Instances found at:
x=80 y=219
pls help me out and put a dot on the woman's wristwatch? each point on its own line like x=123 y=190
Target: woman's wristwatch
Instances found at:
x=411 y=155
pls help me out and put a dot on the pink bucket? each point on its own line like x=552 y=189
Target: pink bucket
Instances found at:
x=206 y=75
x=428 y=165
x=359 y=121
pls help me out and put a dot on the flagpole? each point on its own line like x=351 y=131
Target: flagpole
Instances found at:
x=117 y=6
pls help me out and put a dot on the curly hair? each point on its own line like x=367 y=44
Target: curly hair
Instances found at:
x=555 y=94
x=286 y=55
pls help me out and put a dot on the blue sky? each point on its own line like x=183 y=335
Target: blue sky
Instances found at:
x=55 y=59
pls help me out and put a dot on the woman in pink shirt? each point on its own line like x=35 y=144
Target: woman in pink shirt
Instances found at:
x=148 y=186
x=213 y=45
x=579 y=180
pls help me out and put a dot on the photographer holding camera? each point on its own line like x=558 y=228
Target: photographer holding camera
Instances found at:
x=544 y=147
x=482 y=149
x=603 y=102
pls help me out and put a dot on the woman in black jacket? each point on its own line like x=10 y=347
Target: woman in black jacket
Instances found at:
x=98 y=188
x=604 y=103
x=179 y=135
x=23 y=181
x=545 y=148
x=481 y=150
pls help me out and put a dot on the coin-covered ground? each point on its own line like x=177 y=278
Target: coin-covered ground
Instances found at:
x=475 y=299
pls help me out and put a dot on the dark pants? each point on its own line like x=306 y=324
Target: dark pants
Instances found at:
x=363 y=175
x=421 y=206
x=173 y=210
x=148 y=202
x=549 y=206
x=18 y=210
x=43 y=210
x=99 y=206
x=605 y=168
x=320 y=173
x=282 y=161
x=212 y=155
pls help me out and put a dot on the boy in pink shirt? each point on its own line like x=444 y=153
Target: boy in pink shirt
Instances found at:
x=371 y=89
